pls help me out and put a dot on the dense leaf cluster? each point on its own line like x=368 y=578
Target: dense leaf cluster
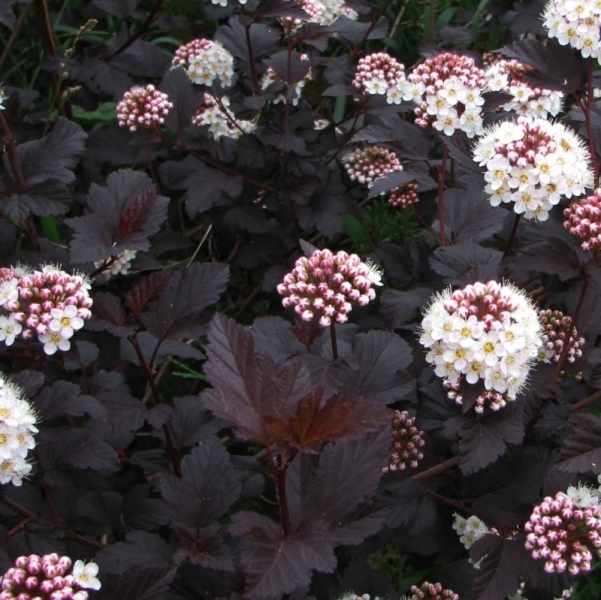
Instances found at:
x=198 y=441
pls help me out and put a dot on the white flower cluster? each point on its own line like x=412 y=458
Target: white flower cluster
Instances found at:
x=470 y=530
x=121 y=266
x=584 y=496
x=2 y=98
x=17 y=426
x=326 y=12
x=575 y=23
x=271 y=77
x=85 y=575
x=484 y=332
x=533 y=163
x=224 y=2
x=205 y=61
x=220 y=120
x=353 y=596
x=527 y=100
x=519 y=595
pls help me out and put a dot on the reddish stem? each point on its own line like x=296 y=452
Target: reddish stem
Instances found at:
x=441 y=174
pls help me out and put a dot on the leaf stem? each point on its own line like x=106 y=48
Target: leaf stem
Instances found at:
x=566 y=343
x=585 y=401
x=514 y=230
x=441 y=174
x=15 y=32
x=437 y=469
x=281 y=475
x=334 y=340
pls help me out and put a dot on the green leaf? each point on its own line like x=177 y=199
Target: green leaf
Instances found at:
x=356 y=231
x=103 y=114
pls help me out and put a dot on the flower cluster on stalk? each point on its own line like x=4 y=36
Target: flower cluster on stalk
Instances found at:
x=219 y=119
x=532 y=163
x=380 y=74
x=17 y=426
x=507 y=75
x=432 y=591
x=223 y=3
x=367 y=165
x=555 y=328
x=448 y=89
x=485 y=332
x=325 y=286
x=143 y=108
x=121 y=265
x=325 y=12
x=407 y=439
x=205 y=61
x=575 y=23
x=47 y=303
x=403 y=196
x=562 y=534
x=49 y=577
x=469 y=530
x=271 y=77
x=584 y=220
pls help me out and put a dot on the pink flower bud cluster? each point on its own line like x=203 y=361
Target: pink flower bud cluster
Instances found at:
x=378 y=73
x=327 y=285
x=48 y=304
x=532 y=163
x=405 y=195
x=143 y=108
x=271 y=77
x=490 y=399
x=584 y=220
x=529 y=100
x=575 y=24
x=485 y=332
x=561 y=533
x=48 y=577
x=448 y=89
x=407 y=439
x=365 y=166
x=204 y=61
x=432 y=591
x=219 y=119
x=555 y=329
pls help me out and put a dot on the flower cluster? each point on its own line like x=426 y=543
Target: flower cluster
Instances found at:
x=485 y=331
x=323 y=12
x=560 y=532
x=353 y=596
x=219 y=119
x=507 y=76
x=405 y=195
x=121 y=265
x=406 y=441
x=17 y=426
x=379 y=73
x=47 y=303
x=272 y=77
x=575 y=23
x=432 y=591
x=533 y=163
x=448 y=89
x=555 y=328
x=470 y=530
x=584 y=496
x=48 y=577
x=2 y=98
x=584 y=220
x=365 y=166
x=490 y=399
x=205 y=61
x=326 y=285
x=224 y=2
x=143 y=108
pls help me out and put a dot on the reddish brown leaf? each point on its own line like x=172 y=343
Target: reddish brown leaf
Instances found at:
x=135 y=216
x=147 y=290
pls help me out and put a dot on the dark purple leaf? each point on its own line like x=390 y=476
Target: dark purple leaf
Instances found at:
x=29 y=381
x=393 y=180
x=208 y=487
x=553 y=256
x=482 y=439
x=581 y=449
x=274 y=335
x=400 y=307
x=205 y=548
x=109 y=315
x=146 y=291
x=289 y=66
x=42 y=199
x=276 y=565
x=117 y=8
x=191 y=423
x=178 y=86
x=141 y=512
x=180 y=311
x=466 y=262
x=64 y=398
x=410 y=506
x=139 y=584
x=140 y=548
x=148 y=344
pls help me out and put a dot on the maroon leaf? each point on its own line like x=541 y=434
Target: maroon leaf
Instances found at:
x=135 y=216
x=139 y=584
x=109 y=315
x=581 y=449
x=64 y=398
x=204 y=548
x=276 y=565
x=465 y=262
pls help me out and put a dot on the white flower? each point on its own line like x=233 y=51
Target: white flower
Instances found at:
x=65 y=322
x=584 y=496
x=9 y=329
x=376 y=86
x=374 y=272
x=85 y=575
x=9 y=291
x=447 y=123
x=54 y=341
